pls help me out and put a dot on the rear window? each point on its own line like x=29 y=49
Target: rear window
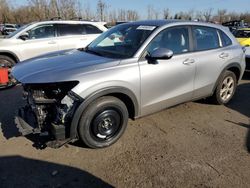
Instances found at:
x=77 y=29
x=90 y=29
x=226 y=41
x=71 y=29
x=206 y=38
x=10 y=26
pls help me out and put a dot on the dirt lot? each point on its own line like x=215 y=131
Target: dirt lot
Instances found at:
x=191 y=145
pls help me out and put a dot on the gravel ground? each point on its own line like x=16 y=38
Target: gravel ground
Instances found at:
x=190 y=145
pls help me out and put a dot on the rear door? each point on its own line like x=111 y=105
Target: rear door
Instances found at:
x=73 y=36
x=41 y=39
x=210 y=57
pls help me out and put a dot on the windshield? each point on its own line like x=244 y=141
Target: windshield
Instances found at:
x=242 y=34
x=17 y=31
x=121 y=41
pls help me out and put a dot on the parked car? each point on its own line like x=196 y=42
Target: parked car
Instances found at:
x=243 y=37
x=89 y=94
x=8 y=29
x=43 y=37
x=1 y=28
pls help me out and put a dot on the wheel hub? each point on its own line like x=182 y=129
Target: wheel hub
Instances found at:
x=227 y=88
x=106 y=124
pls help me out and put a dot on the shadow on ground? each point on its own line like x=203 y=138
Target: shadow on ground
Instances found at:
x=241 y=104
x=10 y=101
x=16 y=171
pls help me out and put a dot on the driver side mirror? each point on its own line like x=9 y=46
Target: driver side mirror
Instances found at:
x=24 y=36
x=160 y=53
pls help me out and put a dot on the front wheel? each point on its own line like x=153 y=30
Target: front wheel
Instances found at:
x=103 y=122
x=225 y=88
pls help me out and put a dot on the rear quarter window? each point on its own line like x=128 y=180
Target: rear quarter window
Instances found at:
x=90 y=29
x=226 y=41
x=205 y=38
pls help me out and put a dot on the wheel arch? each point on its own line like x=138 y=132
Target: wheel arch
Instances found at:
x=124 y=94
x=10 y=55
x=235 y=68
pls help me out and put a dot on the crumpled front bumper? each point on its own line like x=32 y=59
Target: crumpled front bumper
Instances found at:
x=25 y=121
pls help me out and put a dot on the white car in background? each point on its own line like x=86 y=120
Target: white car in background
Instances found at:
x=8 y=29
x=44 y=37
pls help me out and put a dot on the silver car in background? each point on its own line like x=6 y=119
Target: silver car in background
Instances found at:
x=130 y=71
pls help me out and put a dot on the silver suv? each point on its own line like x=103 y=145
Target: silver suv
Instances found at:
x=130 y=71
x=48 y=36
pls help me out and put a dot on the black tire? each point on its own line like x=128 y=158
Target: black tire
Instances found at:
x=103 y=122
x=7 y=62
x=218 y=96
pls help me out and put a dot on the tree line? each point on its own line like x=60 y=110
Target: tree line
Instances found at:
x=38 y=10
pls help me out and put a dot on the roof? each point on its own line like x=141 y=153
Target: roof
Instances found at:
x=160 y=23
x=153 y=22
x=69 y=21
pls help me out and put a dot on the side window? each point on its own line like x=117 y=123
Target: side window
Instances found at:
x=42 y=31
x=90 y=29
x=71 y=29
x=206 y=38
x=175 y=39
x=226 y=41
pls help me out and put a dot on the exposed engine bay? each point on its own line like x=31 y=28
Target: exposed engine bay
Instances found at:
x=49 y=110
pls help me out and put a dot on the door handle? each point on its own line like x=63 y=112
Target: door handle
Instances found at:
x=188 y=61
x=223 y=55
x=52 y=42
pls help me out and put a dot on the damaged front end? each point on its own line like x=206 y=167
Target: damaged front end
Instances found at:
x=48 y=111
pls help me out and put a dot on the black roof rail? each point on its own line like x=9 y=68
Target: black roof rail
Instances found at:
x=77 y=18
x=56 y=18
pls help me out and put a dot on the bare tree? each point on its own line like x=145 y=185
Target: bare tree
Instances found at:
x=208 y=14
x=121 y=15
x=113 y=16
x=5 y=14
x=37 y=10
x=166 y=13
x=150 y=10
x=221 y=15
x=132 y=15
x=101 y=8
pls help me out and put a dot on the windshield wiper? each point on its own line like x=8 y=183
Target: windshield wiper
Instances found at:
x=92 y=51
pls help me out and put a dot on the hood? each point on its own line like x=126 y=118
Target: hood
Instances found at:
x=60 y=66
x=4 y=41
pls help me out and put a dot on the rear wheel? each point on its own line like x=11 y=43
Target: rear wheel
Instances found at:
x=103 y=122
x=225 y=88
x=7 y=63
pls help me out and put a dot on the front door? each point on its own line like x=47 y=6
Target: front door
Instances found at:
x=41 y=40
x=168 y=82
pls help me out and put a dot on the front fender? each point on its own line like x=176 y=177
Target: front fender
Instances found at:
x=95 y=95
